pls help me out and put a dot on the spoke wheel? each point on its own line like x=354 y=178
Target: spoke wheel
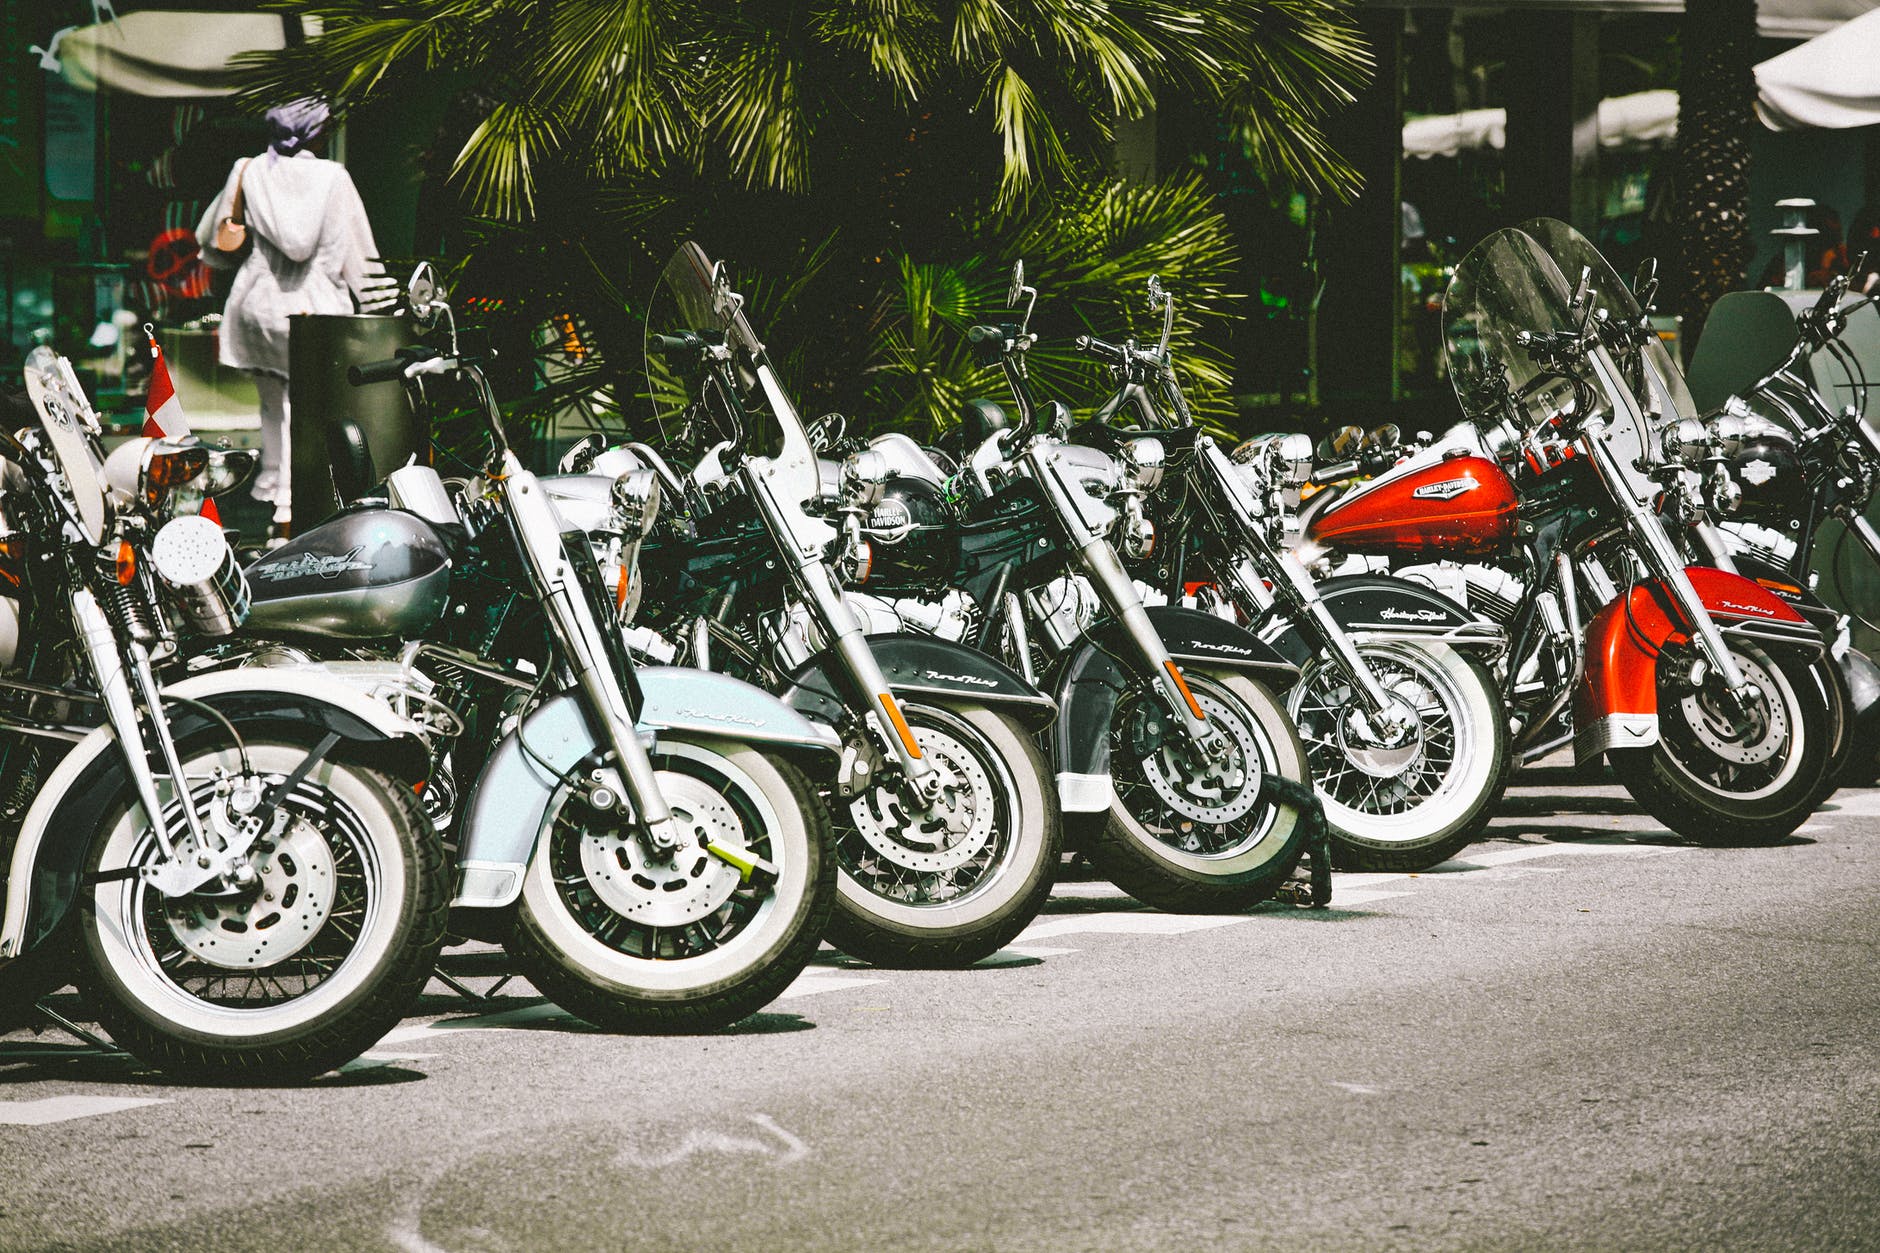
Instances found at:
x=1409 y=800
x=1722 y=776
x=635 y=941
x=952 y=882
x=292 y=974
x=1191 y=832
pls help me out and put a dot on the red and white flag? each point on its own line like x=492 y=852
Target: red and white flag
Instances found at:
x=163 y=412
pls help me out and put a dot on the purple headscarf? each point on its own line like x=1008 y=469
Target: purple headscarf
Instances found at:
x=297 y=124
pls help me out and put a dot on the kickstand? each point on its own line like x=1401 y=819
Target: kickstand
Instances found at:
x=71 y=1028
x=471 y=994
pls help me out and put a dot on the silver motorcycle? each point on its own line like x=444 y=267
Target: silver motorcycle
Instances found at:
x=233 y=867
x=643 y=839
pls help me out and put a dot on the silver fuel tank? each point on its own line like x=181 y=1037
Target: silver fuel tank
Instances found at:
x=371 y=574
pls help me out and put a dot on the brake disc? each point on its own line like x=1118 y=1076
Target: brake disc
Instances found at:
x=955 y=829
x=1203 y=788
x=272 y=919
x=660 y=891
x=1709 y=718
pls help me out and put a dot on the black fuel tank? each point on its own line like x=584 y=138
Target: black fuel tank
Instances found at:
x=369 y=574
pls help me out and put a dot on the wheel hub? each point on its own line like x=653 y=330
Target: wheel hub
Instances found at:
x=1386 y=751
x=666 y=890
x=939 y=837
x=273 y=918
x=1203 y=787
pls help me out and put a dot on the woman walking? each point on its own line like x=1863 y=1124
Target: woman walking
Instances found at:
x=293 y=222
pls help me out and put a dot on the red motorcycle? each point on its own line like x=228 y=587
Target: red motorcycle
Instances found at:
x=1551 y=511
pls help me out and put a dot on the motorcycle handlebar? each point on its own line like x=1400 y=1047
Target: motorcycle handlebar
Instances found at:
x=672 y=344
x=389 y=370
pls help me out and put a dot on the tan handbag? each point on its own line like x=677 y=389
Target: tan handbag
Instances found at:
x=231 y=233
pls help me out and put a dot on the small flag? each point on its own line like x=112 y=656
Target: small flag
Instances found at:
x=163 y=412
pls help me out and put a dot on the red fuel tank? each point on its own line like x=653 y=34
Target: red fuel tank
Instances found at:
x=1461 y=505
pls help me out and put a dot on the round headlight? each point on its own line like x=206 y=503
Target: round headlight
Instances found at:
x=1728 y=430
x=635 y=498
x=1292 y=455
x=864 y=474
x=1685 y=440
x=1144 y=457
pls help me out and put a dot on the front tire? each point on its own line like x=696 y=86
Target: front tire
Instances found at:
x=1233 y=848
x=1717 y=786
x=956 y=884
x=683 y=945
x=292 y=977
x=1408 y=807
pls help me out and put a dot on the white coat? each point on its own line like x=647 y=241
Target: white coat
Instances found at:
x=312 y=251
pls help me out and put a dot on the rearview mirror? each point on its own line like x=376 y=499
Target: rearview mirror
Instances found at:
x=421 y=294
x=1017 y=289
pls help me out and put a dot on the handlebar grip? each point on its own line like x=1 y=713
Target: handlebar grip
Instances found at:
x=376 y=372
x=664 y=344
x=989 y=342
x=1100 y=348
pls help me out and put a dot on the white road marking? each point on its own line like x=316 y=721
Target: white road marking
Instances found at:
x=1127 y=924
x=53 y=1109
x=697 y=1142
x=1020 y=949
x=1359 y=1089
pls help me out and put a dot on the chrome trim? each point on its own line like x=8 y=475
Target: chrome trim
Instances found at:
x=1614 y=731
x=489 y=884
x=1084 y=793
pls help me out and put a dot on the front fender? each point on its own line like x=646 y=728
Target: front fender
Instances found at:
x=1091 y=677
x=509 y=805
x=1373 y=607
x=926 y=667
x=1616 y=702
x=55 y=835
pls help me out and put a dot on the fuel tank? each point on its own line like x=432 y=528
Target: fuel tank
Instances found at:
x=369 y=574
x=1427 y=504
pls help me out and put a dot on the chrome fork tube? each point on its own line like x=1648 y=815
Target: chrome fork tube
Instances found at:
x=539 y=531
x=1120 y=597
x=95 y=633
x=1659 y=552
x=846 y=638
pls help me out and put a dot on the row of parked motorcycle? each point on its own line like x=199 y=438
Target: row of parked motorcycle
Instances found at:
x=664 y=720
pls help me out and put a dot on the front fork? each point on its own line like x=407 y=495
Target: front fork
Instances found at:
x=538 y=528
x=847 y=641
x=1662 y=557
x=1105 y=571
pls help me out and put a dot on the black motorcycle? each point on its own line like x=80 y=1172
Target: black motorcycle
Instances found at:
x=1178 y=770
x=947 y=829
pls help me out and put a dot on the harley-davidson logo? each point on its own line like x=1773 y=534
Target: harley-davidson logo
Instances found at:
x=1757 y=472
x=306 y=565
x=1448 y=489
x=1412 y=615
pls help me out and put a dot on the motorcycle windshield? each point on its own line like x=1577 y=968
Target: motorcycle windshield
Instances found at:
x=1657 y=381
x=62 y=409
x=1507 y=285
x=694 y=295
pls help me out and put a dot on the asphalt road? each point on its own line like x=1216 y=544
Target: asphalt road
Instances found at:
x=1581 y=1034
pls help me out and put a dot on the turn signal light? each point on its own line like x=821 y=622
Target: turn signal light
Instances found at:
x=126 y=563
x=175 y=467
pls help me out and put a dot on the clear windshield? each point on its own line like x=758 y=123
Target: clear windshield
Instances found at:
x=63 y=412
x=1507 y=285
x=1656 y=378
x=696 y=296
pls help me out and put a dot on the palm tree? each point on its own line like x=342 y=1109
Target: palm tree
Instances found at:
x=1716 y=115
x=854 y=134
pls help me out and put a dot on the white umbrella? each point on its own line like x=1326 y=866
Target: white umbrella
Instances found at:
x=1640 y=119
x=1831 y=81
x=154 y=52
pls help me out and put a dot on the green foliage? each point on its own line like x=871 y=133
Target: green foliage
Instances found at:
x=1090 y=256
x=868 y=167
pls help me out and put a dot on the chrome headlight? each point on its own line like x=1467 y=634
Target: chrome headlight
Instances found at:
x=635 y=500
x=864 y=475
x=1728 y=430
x=1685 y=441
x=1144 y=457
